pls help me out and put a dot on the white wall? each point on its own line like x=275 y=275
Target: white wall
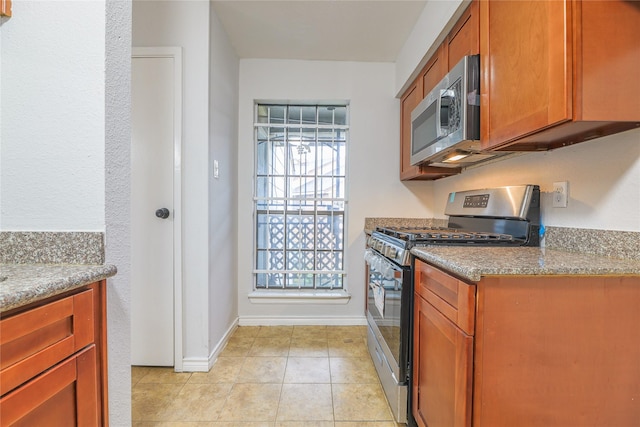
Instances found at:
x=603 y=175
x=223 y=147
x=52 y=109
x=118 y=206
x=210 y=90
x=374 y=187
x=186 y=24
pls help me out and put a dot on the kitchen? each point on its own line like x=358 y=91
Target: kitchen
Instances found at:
x=606 y=199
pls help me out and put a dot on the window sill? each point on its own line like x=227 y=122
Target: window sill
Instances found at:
x=299 y=297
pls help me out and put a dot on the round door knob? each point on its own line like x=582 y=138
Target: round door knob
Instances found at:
x=163 y=213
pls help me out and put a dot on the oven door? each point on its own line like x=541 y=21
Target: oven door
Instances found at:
x=389 y=311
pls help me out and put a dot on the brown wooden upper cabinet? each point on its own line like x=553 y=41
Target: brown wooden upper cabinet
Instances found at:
x=556 y=73
x=461 y=41
x=5 y=7
x=431 y=74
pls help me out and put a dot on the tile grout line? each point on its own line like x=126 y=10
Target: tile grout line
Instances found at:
x=288 y=360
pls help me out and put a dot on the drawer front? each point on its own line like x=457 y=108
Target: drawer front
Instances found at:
x=37 y=339
x=454 y=298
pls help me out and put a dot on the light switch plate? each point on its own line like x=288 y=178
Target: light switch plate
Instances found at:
x=216 y=169
x=560 y=194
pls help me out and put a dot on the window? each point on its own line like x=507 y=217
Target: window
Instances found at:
x=300 y=203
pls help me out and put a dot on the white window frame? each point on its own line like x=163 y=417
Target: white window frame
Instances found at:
x=301 y=295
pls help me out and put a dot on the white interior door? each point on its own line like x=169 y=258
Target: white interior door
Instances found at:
x=153 y=106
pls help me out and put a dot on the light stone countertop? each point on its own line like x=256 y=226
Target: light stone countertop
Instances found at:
x=27 y=283
x=472 y=263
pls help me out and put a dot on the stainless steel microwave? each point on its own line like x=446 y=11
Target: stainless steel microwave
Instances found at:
x=445 y=126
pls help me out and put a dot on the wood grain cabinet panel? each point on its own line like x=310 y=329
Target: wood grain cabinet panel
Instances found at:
x=408 y=102
x=544 y=351
x=5 y=7
x=464 y=38
x=526 y=67
x=442 y=379
x=557 y=352
x=65 y=395
x=434 y=71
x=454 y=298
x=32 y=341
x=556 y=73
x=53 y=361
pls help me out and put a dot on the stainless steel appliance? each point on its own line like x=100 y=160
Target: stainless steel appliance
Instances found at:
x=445 y=126
x=504 y=216
x=388 y=316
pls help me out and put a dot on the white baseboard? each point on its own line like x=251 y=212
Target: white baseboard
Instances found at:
x=201 y=364
x=306 y=321
x=195 y=364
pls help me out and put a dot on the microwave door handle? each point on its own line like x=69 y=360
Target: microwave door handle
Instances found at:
x=449 y=95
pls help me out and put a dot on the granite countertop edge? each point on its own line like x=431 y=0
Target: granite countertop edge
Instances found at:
x=474 y=263
x=28 y=283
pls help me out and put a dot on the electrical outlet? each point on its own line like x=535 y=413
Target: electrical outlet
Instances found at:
x=560 y=194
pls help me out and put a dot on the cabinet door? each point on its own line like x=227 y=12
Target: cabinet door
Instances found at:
x=65 y=395
x=464 y=38
x=526 y=66
x=409 y=101
x=607 y=36
x=434 y=71
x=442 y=370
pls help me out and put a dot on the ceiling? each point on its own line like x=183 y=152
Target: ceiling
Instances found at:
x=330 y=30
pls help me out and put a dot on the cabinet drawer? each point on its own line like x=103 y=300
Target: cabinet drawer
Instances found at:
x=35 y=340
x=454 y=298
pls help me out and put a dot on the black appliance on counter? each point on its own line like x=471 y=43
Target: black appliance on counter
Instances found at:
x=503 y=216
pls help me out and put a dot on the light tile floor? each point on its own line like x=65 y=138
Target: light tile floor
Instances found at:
x=277 y=376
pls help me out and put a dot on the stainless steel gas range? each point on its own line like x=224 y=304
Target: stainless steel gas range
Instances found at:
x=503 y=216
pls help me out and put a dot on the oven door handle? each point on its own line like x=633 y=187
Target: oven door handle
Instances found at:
x=386 y=269
x=372 y=259
x=379 y=263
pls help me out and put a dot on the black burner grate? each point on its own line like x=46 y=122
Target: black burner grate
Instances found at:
x=418 y=235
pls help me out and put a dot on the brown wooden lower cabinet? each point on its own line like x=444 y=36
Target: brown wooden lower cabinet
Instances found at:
x=53 y=362
x=546 y=351
x=443 y=378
